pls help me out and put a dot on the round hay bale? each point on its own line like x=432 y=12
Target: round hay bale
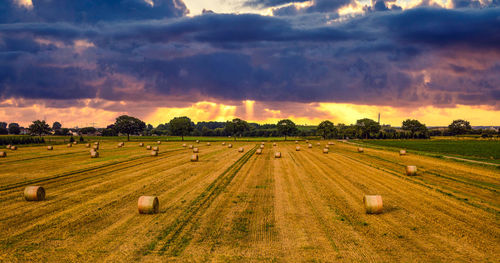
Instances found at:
x=197 y=141
x=373 y=204
x=195 y=150
x=325 y=150
x=297 y=148
x=309 y=146
x=296 y=142
x=277 y=155
x=75 y=143
x=141 y=144
x=94 y=154
x=262 y=143
x=208 y=144
x=87 y=145
x=159 y=142
x=50 y=148
x=8 y=146
x=262 y=146
x=148 y=205
x=223 y=143
x=184 y=145
x=96 y=143
x=34 y=193
x=154 y=153
x=241 y=149
x=259 y=151
x=194 y=158
x=229 y=146
x=13 y=148
x=69 y=145
x=274 y=144
x=411 y=170
x=155 y=148
x=95 y=147
x=402 y=152
x=318 y=144
x=327 y=146
x=330 y=143
x=360 y=150
x=307 y=141
x=148 y=147
x=3 y=154
x=190 y=146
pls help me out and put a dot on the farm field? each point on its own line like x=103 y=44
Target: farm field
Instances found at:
x=241 y=207
x=475 y=149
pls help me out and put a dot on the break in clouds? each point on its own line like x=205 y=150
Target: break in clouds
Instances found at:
x=132 y=50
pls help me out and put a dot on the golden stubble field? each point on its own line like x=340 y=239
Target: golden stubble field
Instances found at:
x=241 y=207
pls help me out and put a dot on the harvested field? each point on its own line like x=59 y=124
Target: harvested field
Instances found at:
x=303 y=207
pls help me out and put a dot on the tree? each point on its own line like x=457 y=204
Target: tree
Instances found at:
x=181 y=126
x=458 y=127
x=39 y=127
x=414 y=126
x=286 y=127
x=367 y=126
x=88 y=130
x=326 y=129
x=4 y=131
x=56 y=126
x=129 y=125
x=14 y=128
x=3 y=125
x=236 y=127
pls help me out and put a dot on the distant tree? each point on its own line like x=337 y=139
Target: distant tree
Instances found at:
x=56 y=126
x=325 y=129
x=14 y=128
x=109 y=132
x=88 y=130
x=286 y=127
x=181 y=126
x=129 y=125
x=414 y=126
x=458 y=127
x=3 y=125
x=367 y=127
x=39 y=127
x=4 y=131
x=236 y=127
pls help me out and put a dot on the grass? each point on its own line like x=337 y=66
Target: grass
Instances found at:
x=477 y=149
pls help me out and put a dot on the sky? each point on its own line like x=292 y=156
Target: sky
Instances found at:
x=84 y=63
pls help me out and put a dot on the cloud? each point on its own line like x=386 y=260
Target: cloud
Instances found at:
x=416 y=57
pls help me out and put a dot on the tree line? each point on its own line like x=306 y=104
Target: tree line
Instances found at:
x=183 y=126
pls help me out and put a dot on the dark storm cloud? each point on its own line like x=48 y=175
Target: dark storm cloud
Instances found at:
x=90 y=11
x=415 y=57
x=270 y=3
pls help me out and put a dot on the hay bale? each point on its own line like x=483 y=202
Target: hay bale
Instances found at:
x=95 y=147
x=148 y=205
x=158 y=142
x=259 y=151
x=331 y=143
x=307 y=141
x=360 y=150
x=325 y=150
x=87 y=145
x=34 y=193
x=94 y=154
x=50 y=148
x=96 y=143
x=277 y=155
x=411 y=170
x=296 y=142
x=141 y=144
x=190 y=146
x=75 y=143
x=194 y=158
x=69 y=145
x=223 y=143
x=184 y=145
x=241 y=149
x=262 y=146
x=3 y=154
x=8 y=146
x=229 y=146
x=309 y=146
x=297 y=148
x=318 y=144
x=208 y=144
x=155 y=148
x=197 y=141
x=13 y=148
x=274 y=144
x=154 y=153
x=373 y=204
x=195 y=150
x=402 y=152
x=148 y=147
x=327 y=146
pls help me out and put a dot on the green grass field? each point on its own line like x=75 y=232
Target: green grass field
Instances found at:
x=471 y=149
